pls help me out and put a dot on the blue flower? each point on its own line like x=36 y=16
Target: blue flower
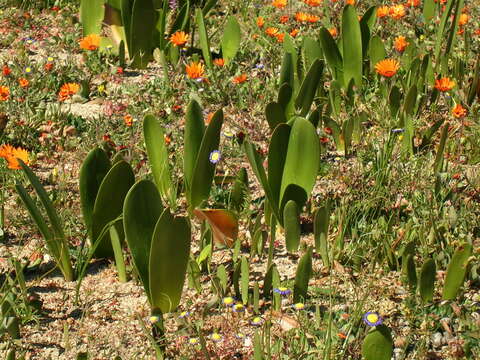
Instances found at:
x=257 y=321
x=238 y=308
x=372 y=318
x=215 y=156
x=282 y=291
x=184 y=314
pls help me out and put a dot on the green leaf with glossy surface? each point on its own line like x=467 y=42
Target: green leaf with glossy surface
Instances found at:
x=456 y=271
x=332 y=54
x=91 y=16
x=291 y=223
x=378 y=344
x=143 y=26
x=230 y=42
x=158 y=157
x=309 y=86
x=204 y=170
x=109 y=204
x=352 y=47
x=94 y=168
x=203 y=37
x=277 y=154
x=194 y=131
x=427 y=280
x=302 y=277
x=141 y=211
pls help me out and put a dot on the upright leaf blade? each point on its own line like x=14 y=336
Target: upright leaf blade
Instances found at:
x=203 y=38
x=456 y=271
x=204 y=169
x=94 y=168
x=194 y=132
x=302 y=277
x=158 y=157
x=352 y=47
x=230 y=42
x=91 y=16
x=309 y=86
x=378 y=344
x=141 y=211
x=169 y=254
x=109 y=204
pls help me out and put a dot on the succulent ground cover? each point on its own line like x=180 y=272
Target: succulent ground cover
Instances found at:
x=277 y=179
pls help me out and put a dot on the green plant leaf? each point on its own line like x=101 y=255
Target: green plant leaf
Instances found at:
x=244 y=279
x=352 y=47
x=204 y=170
x=302 y=277
x=376 y=51
x=141 y=211
x=312 y=50
x=291 y=223
x=143 y=26
x=91 y=16
x=309 y=86
x=378 y=344
x=169 y=255
x=277 y=154
x=320 y=230
x=230 y=42
x=109 y=204
x=194 y=132
x=94 y=168
x=332 y=54
x=303 y=157
x=456 y=271
x=203 y=38
x=158 y=157
x=427 y=280
x=275 y=115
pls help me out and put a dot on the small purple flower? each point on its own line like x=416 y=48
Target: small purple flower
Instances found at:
x=372 y=318
x=396 y=131
x=282 y=291
x=257 y=321
x=215 y=156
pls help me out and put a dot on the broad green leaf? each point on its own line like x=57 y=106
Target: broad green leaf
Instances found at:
x=158 y=157
x=303 y=157
x=376 y=51
x=352 y=47
x=309 y=86
x=109 y=204
x=91 y=16
x=204 y=170
x=169 y=255
x=203 y=38
x=230 y=42
x=302 y=277
x=378 y=344
x=291 y=223
x=141 y=211
x=312 y=50
x=194 y=132
x=94 y=168
x=287 y=70
x=275 y=115
x=428 y=10
x=456 y=271
x=277 y=154
x=332 y=54
x=427 y=280
x=143 y=26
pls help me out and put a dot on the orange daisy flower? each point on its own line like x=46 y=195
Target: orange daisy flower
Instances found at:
x=412 y=3
x=463 y=19
x=313 y=3
x=195 y=70
x=280 y=37
x=23 y=82
x=12 y=155
x=383 y=11
x=279 y=4
x=128 y=120
x=444 y=84
x=459 y=111
x=67 y=91
x=350 y=2
x=301 y=16
x=397 y=11
x=283 y=19
x=387 y=67
x=240 y=79
x=333 y=31
x=219 y=62
x=400 y=43
x=4 y=93
x=90 y=42
x=312 y=18
x=294 y=32
x=6 y=70
x=260 y=21
x=179 y=38
x=271 y=31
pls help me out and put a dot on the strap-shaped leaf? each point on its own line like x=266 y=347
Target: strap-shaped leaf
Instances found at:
x=203 y=37
x=230 y=42
x=169 y=255
x=309 y=86
x=204 y=169
x=352 y=47
x=141 y=211
x=194 y=131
